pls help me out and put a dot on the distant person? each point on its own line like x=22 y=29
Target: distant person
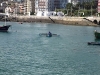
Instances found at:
x=50 y=34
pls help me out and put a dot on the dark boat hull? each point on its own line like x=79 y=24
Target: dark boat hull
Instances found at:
x=4 y=28
x=97 y=35
x=93 y=43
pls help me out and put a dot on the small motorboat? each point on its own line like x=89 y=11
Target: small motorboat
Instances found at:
x=93 y=43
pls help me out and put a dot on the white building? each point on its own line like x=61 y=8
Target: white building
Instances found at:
x=43 y=7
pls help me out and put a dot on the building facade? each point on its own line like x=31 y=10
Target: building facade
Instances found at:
x=27 y=7
x=41 y=5
x=49 y=5
x=98 y=6
x=33 y=6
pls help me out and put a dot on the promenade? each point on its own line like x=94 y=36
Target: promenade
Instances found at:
x=54 y=19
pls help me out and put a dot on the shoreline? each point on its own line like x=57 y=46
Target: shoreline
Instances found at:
x=76 y=21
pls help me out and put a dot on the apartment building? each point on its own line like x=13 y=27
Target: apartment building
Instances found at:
x=56 y=4
x=49 y=5
x=63 y=3
x=33 y=6
x=41 y=5
x=27 y=7
x=45 y=7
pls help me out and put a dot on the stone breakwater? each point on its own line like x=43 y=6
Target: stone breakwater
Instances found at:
x=54 y=19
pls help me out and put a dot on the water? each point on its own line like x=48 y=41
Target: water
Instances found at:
x=24 y=52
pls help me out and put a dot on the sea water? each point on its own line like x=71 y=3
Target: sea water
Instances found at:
x=24 y=52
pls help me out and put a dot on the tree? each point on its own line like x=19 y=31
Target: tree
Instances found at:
x=68 y=6
x=88 y=7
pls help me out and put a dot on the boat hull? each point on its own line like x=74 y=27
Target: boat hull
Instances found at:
x=93 y=43
x=4 y=28
x=97 y=35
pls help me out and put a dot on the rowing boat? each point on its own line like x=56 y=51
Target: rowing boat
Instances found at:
x=47 y=35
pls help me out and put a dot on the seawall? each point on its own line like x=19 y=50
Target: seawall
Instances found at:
x=53 y=19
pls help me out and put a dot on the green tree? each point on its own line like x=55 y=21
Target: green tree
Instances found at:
x=68 y=6
x=89 y=8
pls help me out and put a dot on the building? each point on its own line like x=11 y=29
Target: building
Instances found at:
x=98 y=6
x=3 y=5
x=27 y=7
x=21 y=8
x=49 y=5
x=33 y=6
x=56 y=4
x=43 y=7
x=74 y=2
x=63 y=3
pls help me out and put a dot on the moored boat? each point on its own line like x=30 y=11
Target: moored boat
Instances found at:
x=97 y=34
x=4 y=28
x=93 y=43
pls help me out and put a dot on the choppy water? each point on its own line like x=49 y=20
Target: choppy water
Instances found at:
x=24 y=52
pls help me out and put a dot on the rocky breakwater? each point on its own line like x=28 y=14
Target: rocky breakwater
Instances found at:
x=54 y=19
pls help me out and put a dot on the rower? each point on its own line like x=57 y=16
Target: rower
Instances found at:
x=50 y=34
